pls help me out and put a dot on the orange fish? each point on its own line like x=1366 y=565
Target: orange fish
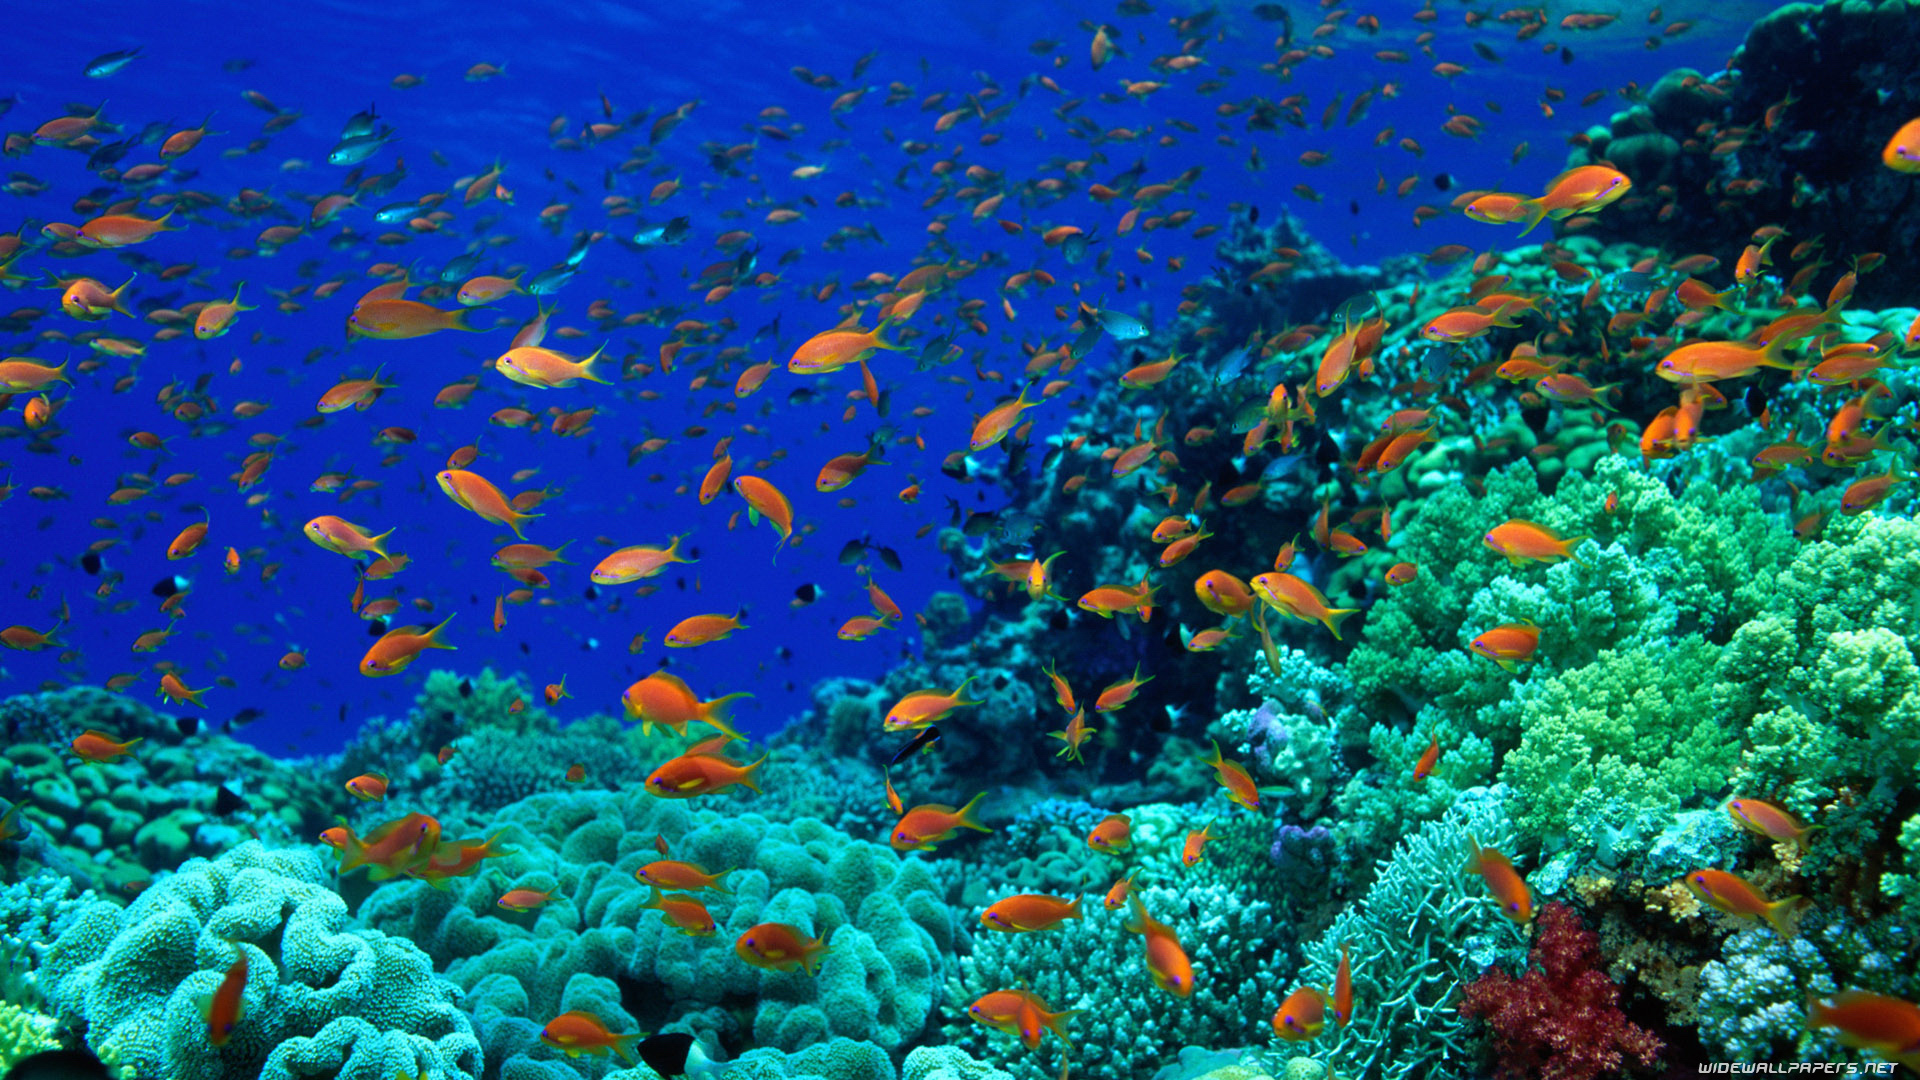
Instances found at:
x=1223 y=594
x=1768 y=820
x=997 y=422
x=1116 y=897
x=1889 y=1026
x=1195 y=848
x=663 y=698
x=463 y=860
x=474 y=492
x=1580 y=190
x=924 y=826
x=393 y=848
x=226 y=1006
x=368 y=787
x=98 y=747
x=1902 y=152
x=397 y=648
x=1113 y=833
x=1731 y=894
x=1523 y=541
x=178 y=692
x=694 y=773
x=1021 y=1013
x=683 y=913
x=1028 y=913
x=1302 y=1015
x=766 y=501
x=526 y=899
x=1233 y=777
x=1343 y=990
x=924 y=708
x=1428 y=759
x=393 y=319
x=1166 y=961
x=1297 y=598
x=780 y=947
x=637 y=562
x=1509 y=889
x=576 y=1033
x=1508 y=645
x=681 y=876
x=344 y=537
x=697 y=630
x=834 y=349
x=1075 y=733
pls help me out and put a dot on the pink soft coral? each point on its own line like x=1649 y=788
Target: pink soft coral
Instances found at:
x=1561 y=1020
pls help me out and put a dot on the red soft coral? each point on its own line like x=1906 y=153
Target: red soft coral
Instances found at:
x=1561 y=1020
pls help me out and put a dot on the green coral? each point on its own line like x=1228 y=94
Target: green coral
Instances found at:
x=1094 y=964
x=885 y=921
x=1424 y=928
x=24 y=1033
x=1619 y=743
x=320 y=997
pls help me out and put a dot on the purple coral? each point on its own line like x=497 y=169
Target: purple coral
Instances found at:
x=1266 y=733
x=1295 y=848
x=1561 y=1020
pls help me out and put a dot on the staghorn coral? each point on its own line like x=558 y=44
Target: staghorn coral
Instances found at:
x=1421 y=931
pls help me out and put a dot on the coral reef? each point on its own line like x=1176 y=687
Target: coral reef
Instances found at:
x=1560 y=1019
x=319 y=995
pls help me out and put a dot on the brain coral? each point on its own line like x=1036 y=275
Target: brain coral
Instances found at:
x=320 y=998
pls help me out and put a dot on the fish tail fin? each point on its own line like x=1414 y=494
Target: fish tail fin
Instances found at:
x=880 y=342
x=586 y=367
x=433 y=635
x=719 y=883
x=1336 y=616
x=810 y=955
x=1137 y=920
x=1536 y=213
x=655 y=899
x=193 y=696
x=718 y=713
x=748 y=773
x=1774 y=355
x=457 y=320
x=1784 y=915
x=960 y=693
x=624 y=1044
x=1057 y=1023
x=119 y=305
x=965 y=816
x=1073 y=909
x=376 y=544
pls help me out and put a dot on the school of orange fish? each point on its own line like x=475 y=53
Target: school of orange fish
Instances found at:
x=1061 y=212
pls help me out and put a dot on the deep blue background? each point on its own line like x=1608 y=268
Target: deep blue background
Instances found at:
x=328 y=60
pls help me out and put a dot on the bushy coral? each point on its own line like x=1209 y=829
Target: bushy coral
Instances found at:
x=23 y=1033
x=319 y=996
x=1561 y=1019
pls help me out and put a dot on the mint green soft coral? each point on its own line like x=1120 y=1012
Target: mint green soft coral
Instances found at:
x=1630 y=737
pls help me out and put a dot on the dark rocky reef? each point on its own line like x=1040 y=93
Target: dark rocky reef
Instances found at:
x=1790 y=136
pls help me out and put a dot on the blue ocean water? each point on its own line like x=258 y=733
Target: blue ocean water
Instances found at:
x=564 y=66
